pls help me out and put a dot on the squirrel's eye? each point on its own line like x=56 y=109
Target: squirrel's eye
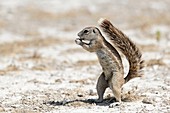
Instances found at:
x=85 y=31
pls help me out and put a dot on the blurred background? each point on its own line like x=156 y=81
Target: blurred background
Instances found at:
x=32 y=25
x=29 y=18
x=37 y=43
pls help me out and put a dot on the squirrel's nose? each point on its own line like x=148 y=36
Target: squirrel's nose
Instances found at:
x=79 y=34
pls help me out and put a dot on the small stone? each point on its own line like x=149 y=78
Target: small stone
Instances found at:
x=156 y=92
x=80 y=95
x=109 y=96
x=64 y=102
x=115 y=104
x=58 y=81
x=148 y=101
x=15 y=106
x=91 y=92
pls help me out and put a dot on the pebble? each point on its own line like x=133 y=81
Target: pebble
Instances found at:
x=115 y=104
x=148 y=101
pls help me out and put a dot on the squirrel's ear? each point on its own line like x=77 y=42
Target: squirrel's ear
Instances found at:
x=95 y=30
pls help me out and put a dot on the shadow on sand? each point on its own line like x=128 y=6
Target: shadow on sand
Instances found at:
x=106 y=102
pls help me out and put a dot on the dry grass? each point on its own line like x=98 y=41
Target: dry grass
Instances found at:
x=149 y=48
x=40 y=67
x=86 y=63
x=144 y=21
x=153 y=62
x=72 y=51
x=82 y=81
x=9 y=68
x=2 y=23
x=16 y=47
x=38 y=14
x=30 y=32
x=34 y=56
x=19 y=47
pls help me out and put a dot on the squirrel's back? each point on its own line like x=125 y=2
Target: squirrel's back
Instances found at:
x=126 y=46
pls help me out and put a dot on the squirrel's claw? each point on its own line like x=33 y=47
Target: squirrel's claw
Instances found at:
x=78 y=41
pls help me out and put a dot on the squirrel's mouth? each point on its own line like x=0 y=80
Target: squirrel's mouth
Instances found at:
x=87 y=42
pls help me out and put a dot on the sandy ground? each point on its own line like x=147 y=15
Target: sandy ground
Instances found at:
x=43 y=70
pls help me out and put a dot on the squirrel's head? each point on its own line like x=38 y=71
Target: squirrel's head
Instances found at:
x=89 y=34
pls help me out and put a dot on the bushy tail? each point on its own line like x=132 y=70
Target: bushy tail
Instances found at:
x=126 y=46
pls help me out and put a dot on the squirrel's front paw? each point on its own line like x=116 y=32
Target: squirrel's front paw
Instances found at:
x=78 y=41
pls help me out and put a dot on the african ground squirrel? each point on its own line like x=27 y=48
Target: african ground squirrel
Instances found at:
x=112 y=76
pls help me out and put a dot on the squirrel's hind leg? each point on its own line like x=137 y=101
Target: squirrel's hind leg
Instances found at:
x=102 y=84
x=117 y=93
x=115 y=84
